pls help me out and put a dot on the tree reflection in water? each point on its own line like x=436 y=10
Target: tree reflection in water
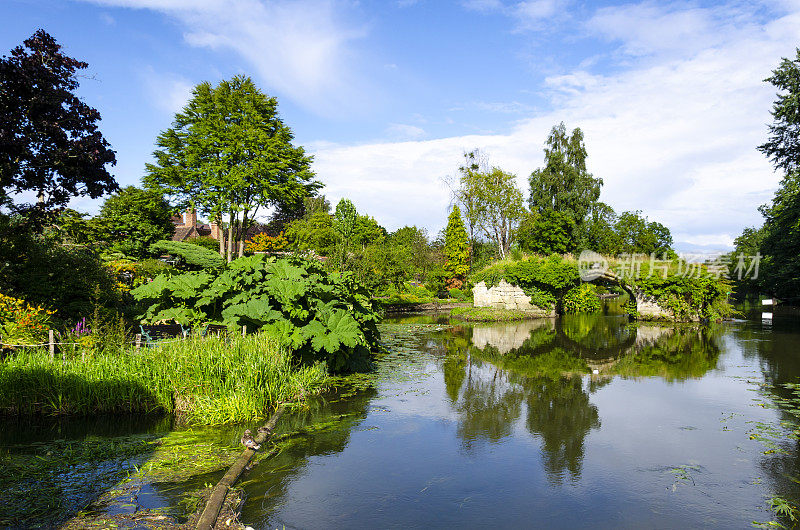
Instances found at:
x=548 y=375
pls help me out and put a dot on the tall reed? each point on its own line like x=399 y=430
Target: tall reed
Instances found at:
x=209 y=380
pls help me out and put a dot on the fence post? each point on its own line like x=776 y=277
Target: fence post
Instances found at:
x=138 y=342
x=244 y=330
x=52 y=344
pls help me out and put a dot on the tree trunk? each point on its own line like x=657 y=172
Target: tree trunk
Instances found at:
x=230 y=238
x=220 y=234
x=242 y=233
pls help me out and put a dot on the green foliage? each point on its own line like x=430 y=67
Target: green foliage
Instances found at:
x=581 y=299
x=550 y=232
x=564 y=185
x=318 y=315
x=132 y=219
x=206 y=380
x=207 y=242
x=638 y=235
x=344 y=220
x=456 y=249
x=783 y=146
x=313 y=232
x=489 y=314
x=597 y=233
x=688 y=297
x=192 y=256
x=229 y=153
x=545 y=280
x=61 y=277
x=492 y=201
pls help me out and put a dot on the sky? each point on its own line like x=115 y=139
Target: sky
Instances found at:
x=388 y=95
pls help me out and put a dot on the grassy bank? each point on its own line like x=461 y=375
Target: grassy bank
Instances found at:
x=208 y=380
x=490 y=314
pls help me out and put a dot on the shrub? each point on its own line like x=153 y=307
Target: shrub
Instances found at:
x=320 y=316
x=192 y=256
x=22 y=323
x=207 y=242
x=264 y=243
x=581 y=299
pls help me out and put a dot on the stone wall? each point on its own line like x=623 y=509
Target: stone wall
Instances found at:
x=506 y=296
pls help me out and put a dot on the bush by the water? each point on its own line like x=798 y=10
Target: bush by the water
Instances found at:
x=545 y=280
x=689 y=291
x=581 y=299
x=209 y=380
x=320 y=316
x=490 y=314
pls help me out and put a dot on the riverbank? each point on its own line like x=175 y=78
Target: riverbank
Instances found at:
x=208 y=380
x=492 y=314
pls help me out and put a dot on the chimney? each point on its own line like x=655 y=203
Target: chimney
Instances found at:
x=215 y=232
x=190 y=217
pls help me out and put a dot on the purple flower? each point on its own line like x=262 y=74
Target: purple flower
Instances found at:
x=81 y=328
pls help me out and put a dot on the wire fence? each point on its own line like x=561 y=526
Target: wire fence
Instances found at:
x=137 y=341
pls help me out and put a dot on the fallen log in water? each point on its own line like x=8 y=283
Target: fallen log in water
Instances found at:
x=209 y=516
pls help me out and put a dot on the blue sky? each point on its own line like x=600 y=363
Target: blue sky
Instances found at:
x=389 y=94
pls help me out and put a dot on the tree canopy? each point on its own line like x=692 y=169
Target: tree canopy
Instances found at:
x=49 y=140
x=494 y=202
x=132 y=219
x=456 y=246
x=228 y=153
x=564 y=184
x=783 y=146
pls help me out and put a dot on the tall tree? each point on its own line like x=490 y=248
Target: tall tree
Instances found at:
x=564 y=184
x=637 y=235
x=783 y=146
x=229 y=154
x=495 y=203
x=456 y=246
x=49 y=140
x=132 y=219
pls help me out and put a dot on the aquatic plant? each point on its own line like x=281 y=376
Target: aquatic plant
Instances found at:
x=210 y=380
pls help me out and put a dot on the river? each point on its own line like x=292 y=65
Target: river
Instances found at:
x=581 y=421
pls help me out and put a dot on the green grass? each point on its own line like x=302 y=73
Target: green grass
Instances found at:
x=490 y=314
x=211 y=380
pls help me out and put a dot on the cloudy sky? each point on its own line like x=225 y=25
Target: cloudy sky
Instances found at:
x=389 y=94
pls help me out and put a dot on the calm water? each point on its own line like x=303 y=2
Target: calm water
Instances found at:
x=477 y=426
x=584 y=421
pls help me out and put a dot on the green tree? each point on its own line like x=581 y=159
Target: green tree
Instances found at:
x=495 y=203
x=564 y=184
x=550 y=232
x=456 y=247
x=750 y=243
x=344 y=222
x=597 y=231
x=414 y=243
x=49 y=140
x=781 y=240
x=783 y=146
x=132 y=219
x=637 y=235
x=229 y=153
x=313 y=232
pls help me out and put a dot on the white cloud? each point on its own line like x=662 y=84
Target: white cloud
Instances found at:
x=403 y=131
x=300 y=49
x=168 y=92
x=529 y=15
x=673 y=135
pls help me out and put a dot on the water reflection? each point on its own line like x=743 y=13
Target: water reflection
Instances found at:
x=550 y=423
x=496 y=375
